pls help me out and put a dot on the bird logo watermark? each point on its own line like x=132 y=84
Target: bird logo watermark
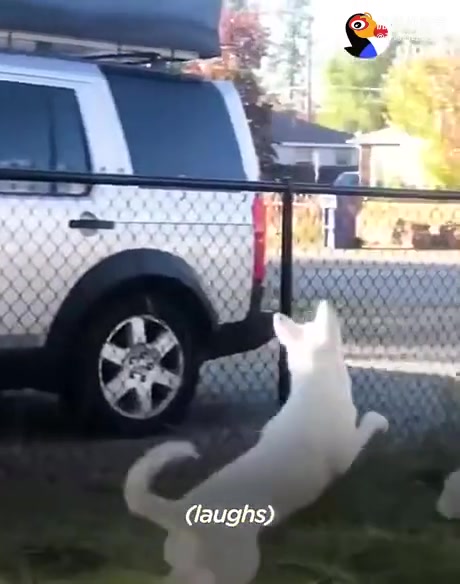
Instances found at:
x=367 y=38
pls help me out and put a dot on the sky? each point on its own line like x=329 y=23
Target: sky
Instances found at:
x=424 y=19
x=330 y=17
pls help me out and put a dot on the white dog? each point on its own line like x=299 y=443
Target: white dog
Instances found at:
x=448 y=504
x=311 y=441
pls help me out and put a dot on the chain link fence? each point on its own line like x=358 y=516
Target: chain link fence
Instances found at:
x=75 y=297
x=399 y=307
x=398 y=299
x=121 y=335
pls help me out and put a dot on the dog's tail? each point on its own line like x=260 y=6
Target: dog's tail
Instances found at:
x=167 y=513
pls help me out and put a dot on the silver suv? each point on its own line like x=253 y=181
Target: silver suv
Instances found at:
x=113 y=297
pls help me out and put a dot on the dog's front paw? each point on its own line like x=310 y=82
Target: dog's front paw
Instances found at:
x=448 y=504
x=379 y=422
x=375 y=422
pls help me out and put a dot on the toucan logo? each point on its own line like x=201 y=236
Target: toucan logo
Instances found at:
x=367 y=38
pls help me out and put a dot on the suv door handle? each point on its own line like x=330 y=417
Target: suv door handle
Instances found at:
x=90 y=221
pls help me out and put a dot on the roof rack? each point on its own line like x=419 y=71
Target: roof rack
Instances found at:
x=53 y=46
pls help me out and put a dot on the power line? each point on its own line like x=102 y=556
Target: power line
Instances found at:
x=344 y=87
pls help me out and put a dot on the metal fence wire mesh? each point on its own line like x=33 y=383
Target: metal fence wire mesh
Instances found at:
x=398 y=299
x=53 y=244
x=88 y=313
x=399 y=305
x=400 y=312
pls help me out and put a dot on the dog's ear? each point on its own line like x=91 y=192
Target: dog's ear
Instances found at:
x=286 y=329
x=327 y=323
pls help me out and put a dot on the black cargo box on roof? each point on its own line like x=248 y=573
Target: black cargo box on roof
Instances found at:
x=190 y=26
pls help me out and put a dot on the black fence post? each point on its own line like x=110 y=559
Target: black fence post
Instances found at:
x=285 y=300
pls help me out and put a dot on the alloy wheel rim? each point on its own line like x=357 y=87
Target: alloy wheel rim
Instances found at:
x=141 y=367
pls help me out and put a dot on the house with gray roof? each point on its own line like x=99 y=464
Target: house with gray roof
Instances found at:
x=297 y=141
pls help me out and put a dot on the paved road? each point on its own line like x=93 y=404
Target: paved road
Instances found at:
x=402 y=337
x=401 y=329
x=389 y=309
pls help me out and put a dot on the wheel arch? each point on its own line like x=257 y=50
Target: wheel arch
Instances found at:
x=122 y=273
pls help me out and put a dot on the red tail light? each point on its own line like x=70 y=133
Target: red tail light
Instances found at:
x=259 y=225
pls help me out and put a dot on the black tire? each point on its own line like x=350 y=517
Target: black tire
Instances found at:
x=85 y=401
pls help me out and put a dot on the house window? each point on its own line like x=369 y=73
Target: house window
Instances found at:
x=304 y=155
x=41 y=129
x=342 y=157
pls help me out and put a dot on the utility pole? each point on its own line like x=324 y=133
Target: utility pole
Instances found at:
x=310 y=69
x=294 y=35
x=291 y=57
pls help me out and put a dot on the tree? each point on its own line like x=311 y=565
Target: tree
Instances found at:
x=244 y=42
x=421 y=98
x=290 y=56
x=353 y=100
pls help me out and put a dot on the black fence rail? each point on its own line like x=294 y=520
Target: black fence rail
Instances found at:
x=394 y=278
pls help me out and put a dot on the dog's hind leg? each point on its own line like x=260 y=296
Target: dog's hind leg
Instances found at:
x=370 y=424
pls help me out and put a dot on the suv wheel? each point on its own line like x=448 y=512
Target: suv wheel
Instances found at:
x=137 y=366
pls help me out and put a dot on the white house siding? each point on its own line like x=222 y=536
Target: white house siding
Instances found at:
x=398 y=165
x=327 y=156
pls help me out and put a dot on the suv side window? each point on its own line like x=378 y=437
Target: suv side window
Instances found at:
x=176 y=126
x=41 y=129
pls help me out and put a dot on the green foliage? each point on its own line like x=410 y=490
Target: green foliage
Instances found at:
x=408 y=98
x=421 y=97
x=353 y=98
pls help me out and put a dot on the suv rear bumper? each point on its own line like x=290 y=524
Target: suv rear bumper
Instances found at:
x=249 y=334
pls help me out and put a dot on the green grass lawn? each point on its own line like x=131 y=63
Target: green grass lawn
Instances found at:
x=377 y=526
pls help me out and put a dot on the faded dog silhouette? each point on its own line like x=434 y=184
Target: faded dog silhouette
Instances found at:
x=448 y=504
x=312 y=440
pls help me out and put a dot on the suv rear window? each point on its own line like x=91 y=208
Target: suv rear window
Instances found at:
x=175 y=126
